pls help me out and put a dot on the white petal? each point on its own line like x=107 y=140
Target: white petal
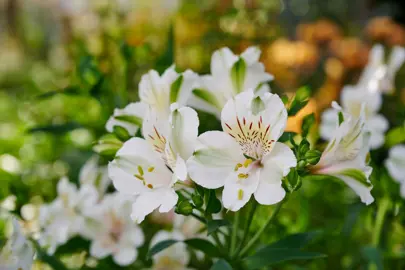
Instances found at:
x=99 y=250
x=222 y=60
x=125 y=256
x=184 y=131
x=214 y=159
x=181 y=169
x=189 y=82
x=282 y=157
x=329 y=124
x=133 y=109
x=377 y=123
x=123 y=181
x=270 y=190
x=137 y=147
x=251 y=55
x=352 y=98
x=397 y=58
x=396 y=163
x=155 y=91
x=165 y=198
x=237 y=192
x=361 y=190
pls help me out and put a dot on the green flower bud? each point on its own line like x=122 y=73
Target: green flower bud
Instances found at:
x=184 y=208
x=121 y=133
x=197 y=200
x=313 y=156
x=301 y=164
x=303 y=148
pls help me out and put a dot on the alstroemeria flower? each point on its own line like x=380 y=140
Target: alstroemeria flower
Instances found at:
x=129 y=118
x=245 y=158
x=379 y=76
x=345 y=156
x=63 y=218
x=150 y=167
x=352 y=99
x=230 y=75
x=94 y=175
x=175 y=257
x=396 y=166
x=18 y=252
x=159 y=92
x=114 y=232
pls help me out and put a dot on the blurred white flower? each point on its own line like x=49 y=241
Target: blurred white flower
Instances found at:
x=396 y=166
x=151 y=167
x=95 y=175
x=345 y=155
x=63 y=218
x=17 y=253
x=174 y=257
x=114 y=233
x=230 y=75
x=352 y=99
x=379 y=76
x=129 y=118
x=246 y=158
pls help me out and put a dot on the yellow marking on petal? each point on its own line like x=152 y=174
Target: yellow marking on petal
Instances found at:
x=140 y=177
x=238 y=166
x=240 y=194
x=151 y=169
x=149 y=186
x=140 y=170
x=243 y=175
x=247 y=162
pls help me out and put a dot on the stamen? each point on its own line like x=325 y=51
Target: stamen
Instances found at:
x=243 y=175
x=140 y=170
x=149 y=186
x=140 y=177
x=238 y=166
x=247 y=162
x=151 y=169
x=240 y=194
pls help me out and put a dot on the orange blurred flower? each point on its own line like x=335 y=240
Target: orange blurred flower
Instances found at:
x=351 y=51
x=320 y=32
x=385 y=30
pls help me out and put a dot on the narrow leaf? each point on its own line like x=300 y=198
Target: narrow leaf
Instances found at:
x=221 y=264
x=161 y=246
x=270 y=256
x=203 y=245
x=307 y=123
x=286 y=136
x=54 y=129
x=215 y=224
x=298 y=240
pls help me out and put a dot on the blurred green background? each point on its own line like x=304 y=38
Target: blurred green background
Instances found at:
x=66 y=64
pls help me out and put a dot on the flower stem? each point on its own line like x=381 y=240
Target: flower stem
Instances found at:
x=247 y=226
x=262 y=229
x=234 y=233
x=381 y=211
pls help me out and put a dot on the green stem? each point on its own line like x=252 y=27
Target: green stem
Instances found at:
x=234 y=233
x=247 y=227
x=381 y=212
x=262 y=229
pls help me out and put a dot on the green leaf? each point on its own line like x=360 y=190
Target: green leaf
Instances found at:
x=88 y=70
x=395 y=136
x=221 y=264
x=238 y=73
x=373 y=256
x=307 y=123
x=212 y=202
x=286 y=136
x=341 y=118
x=55 y=129
x=71 y=91
x=184 y=208
x=52 y=261
x=161 y=246
x=197 y=200
x=269 y=256
x=215 y=224
x=203 y=245
x=356 y=175
x=257 y=105
x=299 y=101
x=298 y=240
x=175 y=89
x=132 y=119
x=207 y=96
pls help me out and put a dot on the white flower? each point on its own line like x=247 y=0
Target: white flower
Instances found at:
x=174 y=257
x=17 y=253
x=396 y=165
x=114 y=232
x=95 y=175
x=353 y=98
x=63 y=218
x=230 y=75
x=345 y=156
x=129 y=118
x=150 y=167
x=379 y=76
x=159 y=92
x=246 y=158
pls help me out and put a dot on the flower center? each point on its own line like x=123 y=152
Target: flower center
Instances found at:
x=253 y=137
